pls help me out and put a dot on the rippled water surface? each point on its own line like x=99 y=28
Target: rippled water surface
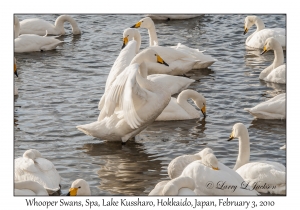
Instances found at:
x=60 y=89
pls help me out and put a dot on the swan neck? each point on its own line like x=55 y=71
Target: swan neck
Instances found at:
x=259 y=24
x=182 y=101
x=16 y=27
x=278 y=56
x=173 y=186
x=152 y=36
x=137 y=38
x=143 y=70
x=244 y=150
x=59 y=24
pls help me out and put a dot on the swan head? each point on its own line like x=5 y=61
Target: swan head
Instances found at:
x=129 y=35
x=201 y=103
x=79 y=187
x=238 y=130
x=270 y=44
x=211 y=161
x=32 y=154
x=15 y=68
x=146 y=22
x=249 y=21
x=148 y=55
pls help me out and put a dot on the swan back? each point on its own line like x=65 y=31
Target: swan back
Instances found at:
x=80 y=187
x=173 y=186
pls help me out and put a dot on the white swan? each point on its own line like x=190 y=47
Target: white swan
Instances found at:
x=79 y=187
x=16 y=73
x=214 y=178
x=273 y=108
x=39 y=26
x=283 y=147
x=180 y=109
x=172 y=17
x=177 y=165
x=277 y=70
x=264 y=176
x=258 y=38
x=185 y=58
x=29 y=188
x=177 y=186
x=32 y=42
x=132 y=102
x=173 y=83
x=33 y=167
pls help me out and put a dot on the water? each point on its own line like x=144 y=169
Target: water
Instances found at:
x=60 y=89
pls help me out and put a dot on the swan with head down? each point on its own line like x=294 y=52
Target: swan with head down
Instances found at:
x=257 y=173
x=258 y=38
x=39 y=26
x=32 y=42
x=132 y=102
x=184 y=58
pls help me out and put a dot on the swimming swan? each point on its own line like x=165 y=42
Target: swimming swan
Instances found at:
x=132 y=102
x=32 y=42
x=258 y=38
x=180 y=109
x=33 y=167
x=258 y=173
x=277 y=70
x=29 y=188
x=177 y=165
x=185 y=57
x=177 y=186
x=273 y=108
x=79 y=187
x=39 y=26
x=174 y=84
x=214 y=178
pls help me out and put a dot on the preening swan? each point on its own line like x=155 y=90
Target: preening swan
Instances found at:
x=264 y=176
x=33 y=167
x=132 y=102
x=177 y=186
x=258 y=38
x=177 y=165
x=32 y=42
x=173 y=83
x=180 y=109
x=214 y=178
x=79 y=187
x=29 y=188
x=39 y=26
x=187 y=58
x=274 y=108
x=179 y=61
x=171 y=17
x=277 y=70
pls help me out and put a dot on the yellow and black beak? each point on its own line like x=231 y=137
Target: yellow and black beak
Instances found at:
x=246 y=30
x=125 y=41
x=136 y=25
x=231 y=136
x=160 y=60
x=15 y=70
x=215 y=168
x=264 y=51
x=203 y=110
x=72 y=192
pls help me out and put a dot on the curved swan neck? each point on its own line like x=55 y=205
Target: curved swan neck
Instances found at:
x=59 y=24
x=278 y=55
x=259 y=24
x=173 y=186
x=152 y=35
x=137 y=38
x=195 y=96
x=16 y=27
x=244 y=150
x=143 y=70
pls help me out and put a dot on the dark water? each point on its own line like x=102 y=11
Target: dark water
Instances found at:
x=60 y=89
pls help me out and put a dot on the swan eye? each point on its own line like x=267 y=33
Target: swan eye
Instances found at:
x=79 y=187
x=155 y=54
